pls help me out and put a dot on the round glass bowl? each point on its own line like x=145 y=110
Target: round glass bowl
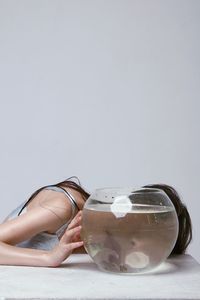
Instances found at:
x=129 y=231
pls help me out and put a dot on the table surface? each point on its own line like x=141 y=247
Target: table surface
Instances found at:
x=79 y=278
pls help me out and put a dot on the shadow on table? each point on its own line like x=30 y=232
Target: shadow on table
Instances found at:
x=80 y=265
x=173 y=265
x=163 y=269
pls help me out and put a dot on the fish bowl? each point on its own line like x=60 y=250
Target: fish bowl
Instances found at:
x=129 y=231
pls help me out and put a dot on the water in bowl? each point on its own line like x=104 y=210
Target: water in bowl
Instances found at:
x=135 y=242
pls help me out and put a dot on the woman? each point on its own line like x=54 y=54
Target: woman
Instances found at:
x=45 y=229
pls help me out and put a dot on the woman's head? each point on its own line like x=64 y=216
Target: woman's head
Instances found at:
x=64 y=184
x=185 y=224
x=77 y=187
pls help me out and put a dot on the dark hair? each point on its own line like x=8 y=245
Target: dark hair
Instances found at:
x=185 y=224
x=71 y=184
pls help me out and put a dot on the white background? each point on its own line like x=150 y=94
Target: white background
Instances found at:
x=105 y=90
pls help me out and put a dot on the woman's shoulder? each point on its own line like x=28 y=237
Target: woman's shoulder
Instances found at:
x=60 y=207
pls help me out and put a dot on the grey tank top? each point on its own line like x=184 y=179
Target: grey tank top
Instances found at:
x=44 y=240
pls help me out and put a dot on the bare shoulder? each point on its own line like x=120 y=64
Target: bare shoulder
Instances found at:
x=60 y=207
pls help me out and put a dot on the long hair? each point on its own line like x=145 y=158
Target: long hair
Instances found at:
x=185 y=224
x=65 y=183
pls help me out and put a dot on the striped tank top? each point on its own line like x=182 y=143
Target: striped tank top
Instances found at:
x=44 y=240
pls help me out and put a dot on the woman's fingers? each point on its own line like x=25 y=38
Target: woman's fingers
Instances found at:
x=70 y=233
x=74 y=224
x=75 y=245
x=76 y=220
x=69 y=241
x=76 y=237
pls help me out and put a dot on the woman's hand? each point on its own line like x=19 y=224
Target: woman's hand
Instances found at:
x=70 y=240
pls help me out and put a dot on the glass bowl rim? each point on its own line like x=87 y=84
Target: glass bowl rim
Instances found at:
x=130 y=190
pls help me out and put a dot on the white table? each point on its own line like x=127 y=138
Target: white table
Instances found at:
x=79 y=278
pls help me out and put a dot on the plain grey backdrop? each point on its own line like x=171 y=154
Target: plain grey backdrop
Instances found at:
x=105 y=90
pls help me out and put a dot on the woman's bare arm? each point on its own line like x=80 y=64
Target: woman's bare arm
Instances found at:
x=26 y=226
x=12 y=255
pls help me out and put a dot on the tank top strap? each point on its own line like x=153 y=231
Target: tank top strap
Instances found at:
x=67 y=193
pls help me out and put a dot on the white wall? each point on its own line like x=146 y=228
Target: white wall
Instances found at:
x=105 y=90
